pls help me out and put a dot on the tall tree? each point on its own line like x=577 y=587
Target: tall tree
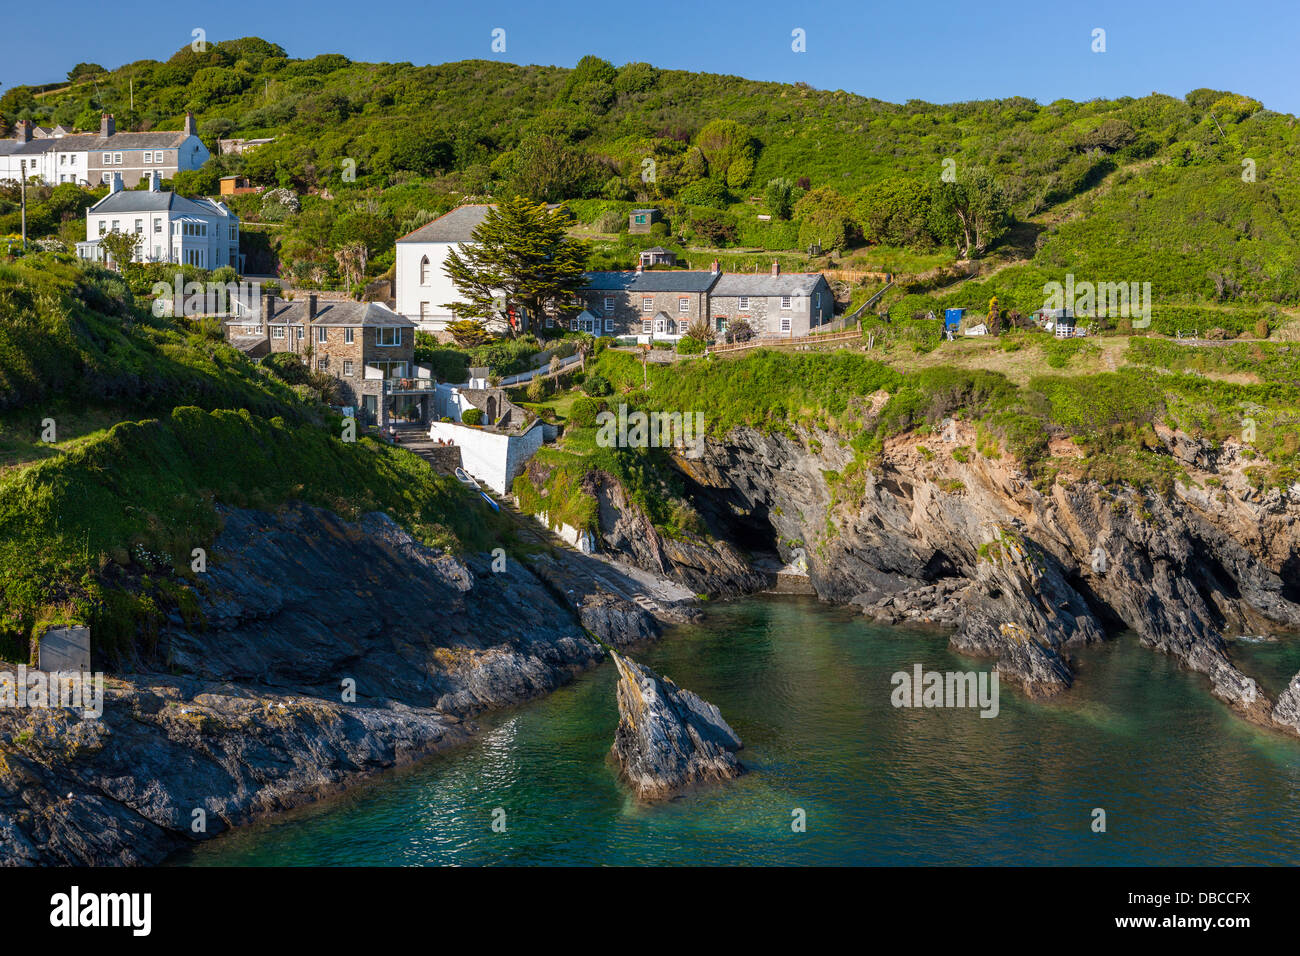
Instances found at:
x=520 y=255
x=972 y=211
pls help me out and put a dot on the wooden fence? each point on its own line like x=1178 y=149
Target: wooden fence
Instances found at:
x=788 y=342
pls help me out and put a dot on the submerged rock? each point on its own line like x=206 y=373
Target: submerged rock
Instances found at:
x=669 y=738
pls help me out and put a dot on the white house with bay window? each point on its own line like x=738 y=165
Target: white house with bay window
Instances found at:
x=171 y=228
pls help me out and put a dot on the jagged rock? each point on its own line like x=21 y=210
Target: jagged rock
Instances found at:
x=669 y=738
x=248 y=716
x=1287 y=712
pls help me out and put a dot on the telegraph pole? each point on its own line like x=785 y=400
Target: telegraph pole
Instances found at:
x=22 y=176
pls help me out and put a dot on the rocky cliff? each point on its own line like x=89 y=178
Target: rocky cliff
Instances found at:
x=324 y=650
x=1022 y=573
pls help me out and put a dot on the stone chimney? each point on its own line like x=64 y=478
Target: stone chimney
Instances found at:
x=268 y=305
x=640 y=267
x=311 y=306
x=714 y=268
x=107 y=125
x=23 y=131
x=191 y=128
x=115 y=183
x=776 y=268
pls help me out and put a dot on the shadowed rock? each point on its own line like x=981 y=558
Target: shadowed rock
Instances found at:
x=669 y=738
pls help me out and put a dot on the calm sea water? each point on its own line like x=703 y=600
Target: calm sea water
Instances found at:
x=807 y=687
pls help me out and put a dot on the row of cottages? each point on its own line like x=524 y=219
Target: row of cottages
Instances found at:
x=643 y=305
x=663 y=305
x=94 y=159
x=168 y=227
x=366 y=346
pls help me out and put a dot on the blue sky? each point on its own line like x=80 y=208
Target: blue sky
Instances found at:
x=912 y=49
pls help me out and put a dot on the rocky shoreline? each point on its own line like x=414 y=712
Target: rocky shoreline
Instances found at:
x=328 y=651
x=1022 y=575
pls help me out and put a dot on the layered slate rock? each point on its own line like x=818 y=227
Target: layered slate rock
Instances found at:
x=668 y=738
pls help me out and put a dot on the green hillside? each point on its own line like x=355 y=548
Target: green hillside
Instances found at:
x=155 y=425
x=1198 y=196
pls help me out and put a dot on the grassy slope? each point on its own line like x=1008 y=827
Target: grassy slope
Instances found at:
x=101 y=527
x=1168 y=206
x=1061 y=389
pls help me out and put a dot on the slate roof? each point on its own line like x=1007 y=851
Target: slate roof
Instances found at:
x=760 y=284
x=77 y=142
x=454 y=226
x=681 y=281
x=342 y=312
x=145 y=200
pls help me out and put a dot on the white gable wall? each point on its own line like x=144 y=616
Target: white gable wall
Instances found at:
x=436 y=291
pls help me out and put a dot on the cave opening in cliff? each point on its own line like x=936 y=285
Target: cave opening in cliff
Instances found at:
x=748 y=527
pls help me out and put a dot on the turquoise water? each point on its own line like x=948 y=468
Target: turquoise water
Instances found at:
x=807 y=687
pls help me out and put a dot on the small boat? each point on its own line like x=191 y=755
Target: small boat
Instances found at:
x=464 y=478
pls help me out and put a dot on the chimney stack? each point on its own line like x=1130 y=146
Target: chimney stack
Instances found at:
x=191 y=128
x=311 y=306
x=268 y=305
x=153 y=181
x=776 y=268
x=23 y=131
x=640 y=267
x=107 y=125
x=115 y=183
x=714 y=267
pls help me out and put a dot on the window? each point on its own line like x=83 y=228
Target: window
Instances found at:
x=277 y=331
x=424 y=311
x=139 y=226
x=818 y=300
x=322 y=363
x=103 y=227
x=148 y=156
x=640 y=219
x=743 y=303
x=659 y=325
x=157 y=226
x=347 y=336
x=683 y=305
x=785 y=302
x=647 y=327
x=682 y=326
x=424 y=270
x=647 y=305
x=117 y=159
x=609 y=325
x=63 y=159
x=550 y=321
x=347 y=366
x=108 y=159
x=573 y=325
x=298 y=333
x=252 y=330
x=116 y=225
x=103 y=177
x=721 y=321
x=785 y=325
x=388 y=336
x=322 y=334
x=609 y=303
